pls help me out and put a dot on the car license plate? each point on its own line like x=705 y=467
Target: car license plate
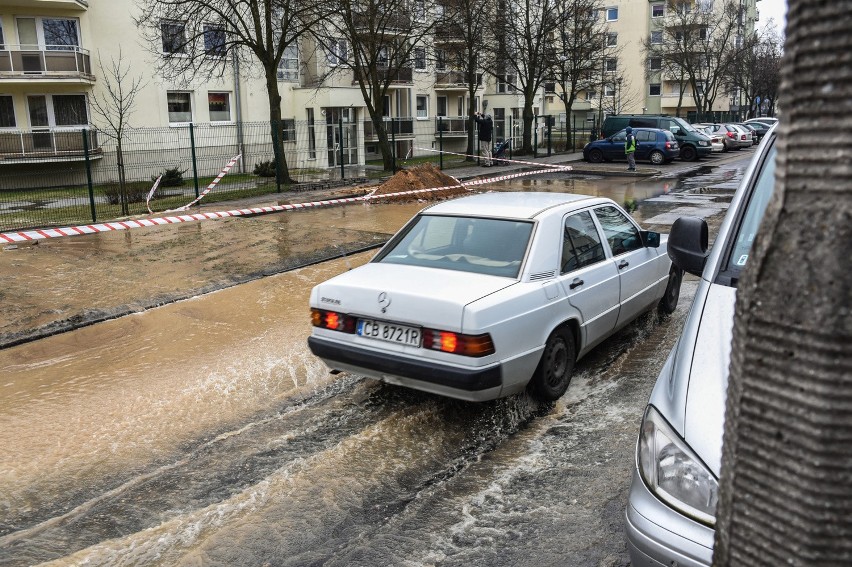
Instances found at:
x=391 y=332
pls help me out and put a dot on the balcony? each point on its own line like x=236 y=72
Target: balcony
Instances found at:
x=402 y=77
x=381 y=24
x=56 y=63
x=451 y=126
x=402 y=128
x=79 y=5
x=449 y=33
x=450 y=81
x=47 y=145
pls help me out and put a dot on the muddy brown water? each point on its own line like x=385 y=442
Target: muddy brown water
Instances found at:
x=204 y=432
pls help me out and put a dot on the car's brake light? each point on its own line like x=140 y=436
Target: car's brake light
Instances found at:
x=730 y=134
x=457 y=343
x=332 y=320
x=668 y=145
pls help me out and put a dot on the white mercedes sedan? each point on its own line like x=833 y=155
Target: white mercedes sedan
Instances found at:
x=483 y=296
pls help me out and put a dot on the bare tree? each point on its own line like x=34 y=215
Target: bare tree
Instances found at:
x=114 y=103
x=522 y=55
x=206 y=37
x=697 y=42
x=786 y=477
x=375 y=40
x=461 y=35
x=582 y=47
x=755 y=70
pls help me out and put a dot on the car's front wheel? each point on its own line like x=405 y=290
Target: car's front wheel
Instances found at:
x=668 y=303
x=554 y=371
x=657 y=157
x=688 y=153
x=596 y=156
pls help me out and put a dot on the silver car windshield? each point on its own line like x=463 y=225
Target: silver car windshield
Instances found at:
x=484 y=246
x=750 y=223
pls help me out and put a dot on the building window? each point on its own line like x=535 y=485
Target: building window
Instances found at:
x=611 y=65
x=57 y=110
x=382 y=59
x=7 y=112
x=420 y=10
x=288 y=67
x=593 y=15
x=505 y=83
x=656 y=37
x=60 y=33
x=422 y=106
x=214 y=40
x=338 y=52
x=440 y=60
x=699 y=88
x=174 y=37
x=420 y=58
x=654 y=89
x=611 y=39
x=655 y=63
x=591 y=95
x=442 y=106
x=180 y=107
x=2 y=38
x=550 y=86
x=612 y=14
x=658 y=10
x=288 y=130
x=219 y=105
x=609 y=90
x=702 y=34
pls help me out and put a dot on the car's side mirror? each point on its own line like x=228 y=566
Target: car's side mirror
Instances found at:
x=650 y=239
x=687 y=245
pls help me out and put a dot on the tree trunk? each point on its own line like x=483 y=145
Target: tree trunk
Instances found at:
x=786 y=482
x=526 y=142
x=277 y=130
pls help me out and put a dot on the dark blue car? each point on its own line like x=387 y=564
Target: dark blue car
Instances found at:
x=652 y=144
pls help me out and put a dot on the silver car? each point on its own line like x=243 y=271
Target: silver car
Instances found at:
x=670 y=515
x=476 y=298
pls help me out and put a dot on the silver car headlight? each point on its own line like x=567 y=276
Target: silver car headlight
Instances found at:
x=673 y=472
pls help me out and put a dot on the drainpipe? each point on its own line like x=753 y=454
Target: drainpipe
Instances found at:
x=239 y=113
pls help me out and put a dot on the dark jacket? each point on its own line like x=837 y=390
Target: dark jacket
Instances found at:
x=485 y=127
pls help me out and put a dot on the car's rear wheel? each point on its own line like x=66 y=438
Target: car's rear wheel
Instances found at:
x=657 y=157
x=668 y=303
x=554 y=371
x=688 y=153
x=596 y=156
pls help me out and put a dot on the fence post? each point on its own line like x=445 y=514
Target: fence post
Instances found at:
x=511 y=136
x=393 y=142
x=194 y=164
x=440 y=142
x=549 y=134
x=535 y=136
x=340 y=133
x=89 y=174
x=573 y=134
x=275 y=154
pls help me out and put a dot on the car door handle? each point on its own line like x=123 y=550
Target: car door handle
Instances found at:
x=623 y=264
x=576 y=283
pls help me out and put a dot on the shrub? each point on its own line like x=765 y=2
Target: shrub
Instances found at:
x=265 y=168
x=136 y=192
x=172 y=177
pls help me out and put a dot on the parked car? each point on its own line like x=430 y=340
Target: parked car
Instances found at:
x=758 y=130
x=483 y=296
x=768 y=120
x=745 y=137
x=693 y=144
x=652 y=144
x=716 y=141
x=730 y=135
x=671 y=511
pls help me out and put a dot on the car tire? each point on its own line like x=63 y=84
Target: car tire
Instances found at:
x=688 y=153
x=596 y=156
x=553 y=374
x=657 y=157
x=668 y=303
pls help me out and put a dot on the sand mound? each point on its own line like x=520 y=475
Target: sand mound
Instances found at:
x=424 y=176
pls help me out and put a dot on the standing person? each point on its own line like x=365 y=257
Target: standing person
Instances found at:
x=486 y=126
x=630 y=149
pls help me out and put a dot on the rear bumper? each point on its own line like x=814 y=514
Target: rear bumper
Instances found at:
x=473 y=384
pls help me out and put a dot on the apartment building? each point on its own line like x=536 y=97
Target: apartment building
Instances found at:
x=51 y=68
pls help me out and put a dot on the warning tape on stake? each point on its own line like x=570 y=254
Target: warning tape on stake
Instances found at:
x=210 y=187
x=40 y=234
x=552 y=166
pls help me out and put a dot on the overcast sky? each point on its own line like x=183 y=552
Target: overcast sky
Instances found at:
x=774 y=9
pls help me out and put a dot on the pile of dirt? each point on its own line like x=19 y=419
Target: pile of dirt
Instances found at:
x=424 y=176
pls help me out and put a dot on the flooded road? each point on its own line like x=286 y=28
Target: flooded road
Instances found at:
x=203 y=432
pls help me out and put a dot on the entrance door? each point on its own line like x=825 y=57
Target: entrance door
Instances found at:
x=347 y=138
x=40 y=122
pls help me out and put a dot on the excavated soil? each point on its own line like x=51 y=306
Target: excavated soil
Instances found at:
x=420 y=178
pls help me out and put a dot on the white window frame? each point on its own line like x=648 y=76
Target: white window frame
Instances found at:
x=338 y=52
x=662 y=8
x=230 y=119
x=191 y=115
x=611 y=39
x=610 y=12
x=609 y=90
x=39 y=26
x=611 y=65
x=163 y=38
x=14 y=113
x=284 y=73
x=658 y=60
x=213 y=27
x=425 y=111
x=659 y=89
x=419 y=57
x=656 y=37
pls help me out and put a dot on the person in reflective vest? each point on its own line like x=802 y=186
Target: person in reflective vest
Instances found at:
x=630 y=149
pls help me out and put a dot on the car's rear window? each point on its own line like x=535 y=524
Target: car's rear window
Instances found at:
x=485 y=246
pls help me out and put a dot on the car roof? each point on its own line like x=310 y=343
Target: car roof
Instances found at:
x=515 y=205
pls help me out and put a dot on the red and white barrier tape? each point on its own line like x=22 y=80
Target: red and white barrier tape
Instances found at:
x=40 y=234
x=502 y=159
x=151 y=194
x=210 y=187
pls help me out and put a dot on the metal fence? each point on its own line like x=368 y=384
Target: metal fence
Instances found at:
x=72 y=177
